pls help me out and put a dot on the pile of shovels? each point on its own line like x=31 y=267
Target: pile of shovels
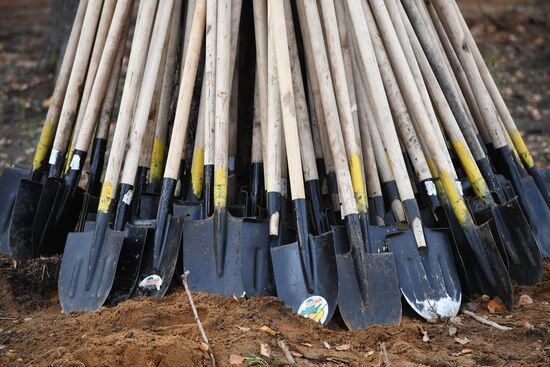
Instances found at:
x=338 y=154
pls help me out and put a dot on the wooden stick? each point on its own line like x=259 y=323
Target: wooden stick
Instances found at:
x=52 y=118
x=210 y=80
x=483 y=321
x=197 y=318
x=189 y=72
x=136 y=63
x=289 y=358
x=76 y=81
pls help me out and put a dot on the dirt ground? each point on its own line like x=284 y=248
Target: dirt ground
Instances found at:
x=515 y=40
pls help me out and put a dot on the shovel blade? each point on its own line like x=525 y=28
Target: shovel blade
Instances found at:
x=158 y=267
x=199 y=257
x=74 y=294
x=291 y=283
x=148 y=205
x=537 y=213
x=192 y=210
x=520 y=246
x=9 y=184
x=427 y=276
x=129 y=263
x=255 y=258
x=384 y=296
x=20 y=228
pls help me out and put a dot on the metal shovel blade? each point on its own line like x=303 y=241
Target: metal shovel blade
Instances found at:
x=518 y=245
x=256 y=272
x=384 y=296
x=129 y=263
x=192 y=210
x=148 y=205
x=9 y=184
x=537 y=213
x=318 y=303
x=427 y=276
x=74 y=292
x=199 y=257
x=20 y=228
x=159 y=260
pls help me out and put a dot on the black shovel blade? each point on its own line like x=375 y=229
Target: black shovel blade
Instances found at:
x=74 y=292
x=129 y=263
x=537 y=213
x=384 y=296
x=158 y=267
x=199 y=257
x=20 y=228
x=9 y=185
x=148 y=205
x=427 y=276
x=491 y=275
x=320 y=303
x=256 y=271
x=522 y=250
x=191 y=210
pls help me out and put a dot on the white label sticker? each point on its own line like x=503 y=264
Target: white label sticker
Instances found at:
x=75 y=162
x=127 y=198
x=152 y=282
x=314 y=308
x=430 y=188
x=53 y=156
x=459 y=187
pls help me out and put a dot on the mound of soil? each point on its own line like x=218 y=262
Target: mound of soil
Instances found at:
x=151 y=332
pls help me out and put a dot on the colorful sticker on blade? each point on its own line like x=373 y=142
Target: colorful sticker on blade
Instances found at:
x=314 y=308
x=151 y=283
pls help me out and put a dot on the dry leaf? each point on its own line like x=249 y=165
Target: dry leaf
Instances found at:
x=525 y=300
x=369 y=353
x=327 y=345
x=307 y=345
x=462 y=341
x=466 y=351
x=265 y=350
x=243 y=329
x=236 y=359
x=452 y=330
x=296 y=354
x=496 y=306
x=268 y=330
x=203 y=347
x=343 y=347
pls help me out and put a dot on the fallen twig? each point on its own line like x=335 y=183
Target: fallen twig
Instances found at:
x=385 y=354
x=197 y=319
x=481 y=320
x=289 y=358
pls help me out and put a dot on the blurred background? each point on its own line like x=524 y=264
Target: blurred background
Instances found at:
x=513 y=35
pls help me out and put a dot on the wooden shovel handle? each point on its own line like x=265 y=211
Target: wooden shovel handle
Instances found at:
x=330 y=108
x=307 y=153
x=52 y=118
x=210 y=80
x=256 y=150
x=142 y=33
x=189 y=72
x=103 y=74
x=77 y=78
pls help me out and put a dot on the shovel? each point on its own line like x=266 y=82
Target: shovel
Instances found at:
x=212 y=248
x=161 y=257
x=61 y=201
x=303 y=270
x=90 y=260
x=528 y=193
x=517 y=242
x=256 y=158
x=29 y=191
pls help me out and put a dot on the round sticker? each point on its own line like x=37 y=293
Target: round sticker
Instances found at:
x=151 y=283
x=314 y=308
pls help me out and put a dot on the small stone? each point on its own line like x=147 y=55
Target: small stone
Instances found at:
x=525 y=300
x=130 y=334
x=466 y=351
x=452 y=331
x=265 y=350
x=327 y=345
x=236 y=359
x=268 y=330
x=343 y=347
x=462 y=341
